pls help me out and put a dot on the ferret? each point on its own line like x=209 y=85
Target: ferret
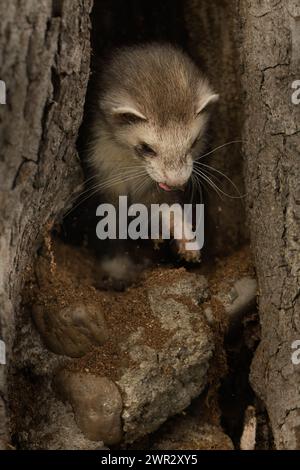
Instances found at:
x=151 y=117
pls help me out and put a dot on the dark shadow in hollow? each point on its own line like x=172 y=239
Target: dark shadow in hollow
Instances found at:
x=120 y=23
x=116 y=24
x=205 y=31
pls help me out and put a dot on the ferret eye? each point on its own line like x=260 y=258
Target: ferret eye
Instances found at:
x=128 y=118
x=144 y=149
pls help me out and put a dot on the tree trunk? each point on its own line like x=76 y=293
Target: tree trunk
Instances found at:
x=45 y=53
x=271 y=57
x=44 y=61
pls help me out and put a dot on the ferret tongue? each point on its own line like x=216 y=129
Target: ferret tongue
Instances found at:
x=164 y=186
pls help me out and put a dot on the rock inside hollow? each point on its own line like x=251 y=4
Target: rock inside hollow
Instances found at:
x=160 y=345
x=166 y=377
x=240 y=298
x=96 y=402
x=71 y=330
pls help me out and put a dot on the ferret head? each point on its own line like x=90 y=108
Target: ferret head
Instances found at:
x=155 y=103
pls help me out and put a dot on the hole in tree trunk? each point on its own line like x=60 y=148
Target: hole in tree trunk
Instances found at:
x=75 y=341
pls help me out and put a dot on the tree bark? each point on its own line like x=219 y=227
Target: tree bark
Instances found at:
x=44 y=61
x=271 y=56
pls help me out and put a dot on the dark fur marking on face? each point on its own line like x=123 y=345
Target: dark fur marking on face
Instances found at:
x=144 y=150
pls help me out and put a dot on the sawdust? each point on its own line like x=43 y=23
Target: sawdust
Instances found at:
x=65 y=275
x=68 y=275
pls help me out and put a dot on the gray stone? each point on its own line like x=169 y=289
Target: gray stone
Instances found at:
x=72 y=330
x=240 y=299
x=96 y=402
x=60 y=433
x=163 y=382
x=47 y=423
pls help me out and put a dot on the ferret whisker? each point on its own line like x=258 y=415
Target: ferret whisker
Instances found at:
x=194 y=187
x=220 y=147
x=205 y=172
x=225 y=176
x=203 y=175
x=194 y=183
x=104 y=183
x=100 y=187
x=145 y=186
x=140 y=186
x=118 y=180
x=201 y=198
x=210 y=173
x=214 y=177
x=81 y=185
x=125 y=177
x=191 y=189
x=199 y=188
x=87 y=180
x=200 y=192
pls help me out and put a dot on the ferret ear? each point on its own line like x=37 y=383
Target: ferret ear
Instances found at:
x=206 y=102
x=127 y=115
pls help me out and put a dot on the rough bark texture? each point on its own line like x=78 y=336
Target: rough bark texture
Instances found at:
x=271 y=57
x=44 y=60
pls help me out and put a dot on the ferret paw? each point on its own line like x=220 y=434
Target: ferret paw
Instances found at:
x=157 y=243
x=191 y=256
x=118 y=273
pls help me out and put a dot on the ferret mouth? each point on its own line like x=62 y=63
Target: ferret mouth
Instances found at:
x=168 y=188
x=165 y=187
